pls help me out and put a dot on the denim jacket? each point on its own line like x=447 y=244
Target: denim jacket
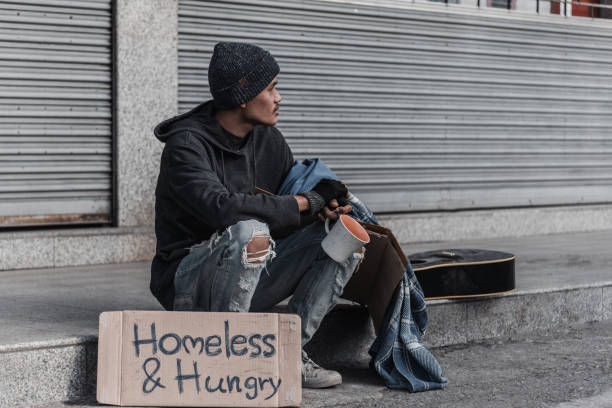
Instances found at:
x=398 y=354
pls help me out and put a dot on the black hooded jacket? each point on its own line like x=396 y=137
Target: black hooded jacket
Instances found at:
x=206 y=183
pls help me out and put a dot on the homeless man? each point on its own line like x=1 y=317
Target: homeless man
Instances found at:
x=219 y=246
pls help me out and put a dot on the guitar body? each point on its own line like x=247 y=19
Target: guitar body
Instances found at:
x=459 y=273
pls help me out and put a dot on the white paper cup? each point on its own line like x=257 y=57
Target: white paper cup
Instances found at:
x=345 y=238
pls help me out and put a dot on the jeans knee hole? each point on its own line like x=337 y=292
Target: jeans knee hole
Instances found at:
x=258 y=250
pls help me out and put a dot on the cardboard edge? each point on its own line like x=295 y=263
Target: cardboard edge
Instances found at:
x=290 y=330
x=108 y=382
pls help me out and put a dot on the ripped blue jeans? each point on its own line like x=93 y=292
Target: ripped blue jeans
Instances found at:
x=219 y=275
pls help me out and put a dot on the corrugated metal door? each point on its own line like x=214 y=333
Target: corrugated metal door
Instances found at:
x=55 y=112
x=428 y=109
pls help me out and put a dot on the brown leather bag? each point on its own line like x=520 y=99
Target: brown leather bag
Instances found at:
x=376 y=280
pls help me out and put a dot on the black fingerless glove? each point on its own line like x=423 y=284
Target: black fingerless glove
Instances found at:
x=342 y=201
x=330 y=189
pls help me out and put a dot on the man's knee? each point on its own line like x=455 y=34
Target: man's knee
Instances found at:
x=254 y=238
x=258 y=249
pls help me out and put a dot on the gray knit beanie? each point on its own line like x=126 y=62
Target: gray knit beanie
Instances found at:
x=238 y=72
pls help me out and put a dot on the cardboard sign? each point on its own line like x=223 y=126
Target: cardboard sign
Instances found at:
x=153 y=358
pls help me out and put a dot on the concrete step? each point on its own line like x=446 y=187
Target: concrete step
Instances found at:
x=48 y=344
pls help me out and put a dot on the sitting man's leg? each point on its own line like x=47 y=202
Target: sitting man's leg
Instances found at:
x=221 y=274
x=302 y=269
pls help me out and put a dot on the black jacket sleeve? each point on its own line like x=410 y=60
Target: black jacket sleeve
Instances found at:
x=288 y=159
x=198 y=191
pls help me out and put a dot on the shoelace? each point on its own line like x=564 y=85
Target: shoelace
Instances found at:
x=309 y=365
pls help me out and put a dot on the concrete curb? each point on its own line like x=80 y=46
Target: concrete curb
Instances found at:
x=347 y=333
x=69 y=365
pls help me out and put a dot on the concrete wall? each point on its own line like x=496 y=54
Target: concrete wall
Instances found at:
x=147 y=87
x=147 y=92
x=68 y=247
x=517 y=222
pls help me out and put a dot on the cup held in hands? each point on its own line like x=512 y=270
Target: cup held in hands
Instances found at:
x=346 y=237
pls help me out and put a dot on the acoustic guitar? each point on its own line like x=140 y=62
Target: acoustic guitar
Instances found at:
x=461 y=273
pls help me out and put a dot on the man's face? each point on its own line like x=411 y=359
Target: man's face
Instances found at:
x=263 y=109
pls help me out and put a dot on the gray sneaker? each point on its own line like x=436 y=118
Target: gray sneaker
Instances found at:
x=315 y=376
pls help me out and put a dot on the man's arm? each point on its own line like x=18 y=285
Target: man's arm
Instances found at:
x=302 y=203
x=324 y=199
x=199 y=191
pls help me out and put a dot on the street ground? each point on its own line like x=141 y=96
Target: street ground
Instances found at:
x=570 y=367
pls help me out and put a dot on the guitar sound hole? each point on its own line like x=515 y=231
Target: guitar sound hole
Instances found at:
x=417 y=261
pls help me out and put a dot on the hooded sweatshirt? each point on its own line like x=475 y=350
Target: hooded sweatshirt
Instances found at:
x=206 y=181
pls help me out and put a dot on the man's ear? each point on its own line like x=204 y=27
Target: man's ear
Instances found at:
x=243 y=105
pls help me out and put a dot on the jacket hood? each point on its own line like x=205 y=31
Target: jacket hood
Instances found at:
x=200 y=120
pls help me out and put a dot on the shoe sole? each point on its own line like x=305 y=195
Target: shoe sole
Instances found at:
x=326 y=384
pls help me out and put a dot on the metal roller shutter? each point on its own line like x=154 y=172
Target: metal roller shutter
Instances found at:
x=55 y=112
x=421 y=109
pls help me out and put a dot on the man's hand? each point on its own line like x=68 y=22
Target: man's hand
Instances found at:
x=320 y=197
x=330 y=189
x=334 y=210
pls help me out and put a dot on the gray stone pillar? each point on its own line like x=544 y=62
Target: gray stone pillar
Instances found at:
x=147 y=92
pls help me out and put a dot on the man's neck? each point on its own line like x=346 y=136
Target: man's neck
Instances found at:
x=233 y=121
